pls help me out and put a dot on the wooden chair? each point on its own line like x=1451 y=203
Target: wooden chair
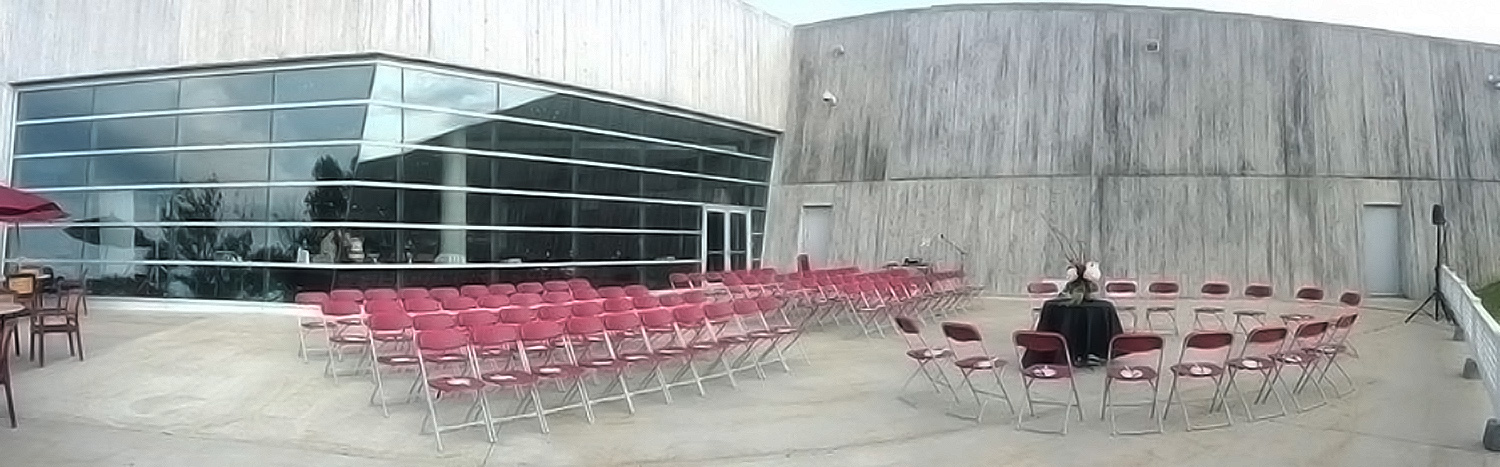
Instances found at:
x=22 y=287
x=7 y=334
x=61 y=320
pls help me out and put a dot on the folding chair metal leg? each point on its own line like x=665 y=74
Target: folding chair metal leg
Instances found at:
x=1067 y=404
x=1213 y=404
x=1104 y=409
x=1250 y=415
x=980 y=403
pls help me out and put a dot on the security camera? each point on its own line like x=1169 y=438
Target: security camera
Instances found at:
x=830 y=98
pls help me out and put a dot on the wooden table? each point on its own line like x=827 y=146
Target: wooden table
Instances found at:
x=11 y=311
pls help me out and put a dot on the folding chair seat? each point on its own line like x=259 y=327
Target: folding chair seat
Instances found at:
x=1350 y=303
x=553 y=370
x=1133 y=359
x=1215 y=294
x=413 y=293
x=531 y=288
x=471 y=319
x=864 y=307
x=558 y=297
x=556 y=286
x=928 y=359
x=670 y=300
x=660 y=334
x=443 y=294
x=502 y=369
x=1258 y=356
x=586 y=295
x=626 y=334
x=694 y=296
x=444 y=376
x=736 y=287
x=381 y=294
x=345 y=321
x=494 y=302
x=679 y=281
x=589 y=347
x=390 y=347
x=1308 y=298
x=1045 y=343
x=502 y=289
x=309 y=319
x=694 y=332
x=612 y=292
x=645 y=302
x=526 y=299
x=587 y=309
x=1202 y=357
x=421 y=305
x=517 y=315
x=554 y=312
x=347 y=295
x=474 y=291
x=1124 y=294
x=578 y=283
x=970 y=355
x=637 y=291
x=459 y=303
x=1163 y=297
x=1301 y=352
x=1258 y=295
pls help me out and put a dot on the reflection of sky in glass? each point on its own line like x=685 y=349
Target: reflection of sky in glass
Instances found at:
x=218 y=91
x=421 y=87
x=225 y=128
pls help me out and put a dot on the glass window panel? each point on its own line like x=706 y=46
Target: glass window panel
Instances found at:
x=133 y=169
x=436 y=128
x=313 y=203
x=135 y=97
x=715 y=231
x=54 y=103
x=593 y=213
x=755 y=245
x=73 y=203
x=532 y=211
x=129 y=206
x=609 y=247
x=378 y=245
x=601 y=181
x=225 y=91
x=608 y=116
x=51 y=171
x=670 y=187
x=372 y=204
x=422 y=206
x=225 y=128
x=527 y=139
x=319 y=123
x=422 y=167
x=480 y=170
x=672 y=158
x=671 y=217
x=324 y=84
x=387 y=85
x=422 y=246
x=140 y=132
x=609 y=149
x=230 y=165
x=533 y=246
x=53 y=137
x=313 y=163
x=670 y=247
x=737 y=232
x=758 y=221
x=758 y=195
x=528 y=175
x=377 y=163
x=47 y=243
x=536 y=104
x=383 y=124
x=454 y=92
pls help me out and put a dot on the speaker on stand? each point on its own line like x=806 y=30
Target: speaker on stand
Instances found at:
x=1441 y=311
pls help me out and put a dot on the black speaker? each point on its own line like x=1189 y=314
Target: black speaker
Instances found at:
x=1437 y=215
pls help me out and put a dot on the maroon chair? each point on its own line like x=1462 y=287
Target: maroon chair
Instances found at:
x=670 y=300
x=307 y=322
x=1257 y=356
x=644 y=302
x=637 y=291
x=1202 y=358
x=310 y=298
x=586 y=295
x=502 y=289
x=382 y=294
x=679 y=281
x=1301 y=352
x=970 y=355
x=459 y=303
x=587 y=309
x=444 y=293
x=383 y=305
x=474 y=291
x=1336 y=345
x=525 y=299
x=494 y=302
x=422 y=305
x=1133 y=358
x=618 y=304
x=531 y=288
x=348 y=295
x=434 y=321
x=477 y=318
x=1163 y=296
x=1049 y=343
x=517 y=315
x=493 y=343
x=558 y=297
x=413 y=292
x=556 y=286
x=540 y=336
x=447 y=369
x=926 y=357
x=1257 y=295
x=554 y=312
x=341 y=317
x=390 y=334
x=1215 y=294
x=612 y=292
x=1309 y=298
x=578 y=283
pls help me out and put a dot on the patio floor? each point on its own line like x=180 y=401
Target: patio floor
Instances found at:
x=172 y=388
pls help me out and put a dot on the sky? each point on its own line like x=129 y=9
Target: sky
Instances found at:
x=1474 y=20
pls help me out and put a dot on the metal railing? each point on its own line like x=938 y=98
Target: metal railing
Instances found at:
x=1482 y=334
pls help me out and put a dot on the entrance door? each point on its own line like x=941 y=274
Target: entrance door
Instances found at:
x=817 y=231
x=1382 y=245
x=726 y=238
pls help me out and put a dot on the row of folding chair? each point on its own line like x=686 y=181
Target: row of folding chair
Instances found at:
x=869 y=300
x=1160 y=300
x=1314 y=348
x=630 y=351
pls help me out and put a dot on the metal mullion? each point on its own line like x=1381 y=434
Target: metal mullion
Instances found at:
x=560 y=160
x=207 y=147
x=196 y=111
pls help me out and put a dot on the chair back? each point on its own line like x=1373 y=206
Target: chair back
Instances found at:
x=351 y=295
x=341 y=308
x=440 y=340
x=1258 y=292
x=637 y=291
x=1137 y=349
x=309 y=298
x=531 y=287
x=494 y=335
x=494 y=301
x=517 y=315
x=647 y=301
x=1264 y=341
x=413 y=292
x=618 y=304
x=1351 y=299
x=554 y=312
x=476 y=318
x=388 y=322
x=679 y=281
x=1120 y=289
x=444 y=293
x=502 y=289
x=1215 y=290
x=432 y=321
x=525 y=299
x=578 y=283
x=622 y=321
x=671 y=300
x=964 y=340
x=558 y=296
x=769 y=304
x=587 y=309
x=474 y=291
x=1206 y=347
x=421 y=305
x=611 y=292
x=459 y=303
x=1309 y=334
x=689 y=315
x=585 y=294
x=1164 y=290
x=383 y=306
x=556 y=286
x=1309 y=294
x=907 y=325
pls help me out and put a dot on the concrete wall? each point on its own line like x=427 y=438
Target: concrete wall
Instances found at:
x=720 y=57
x=1243 y=149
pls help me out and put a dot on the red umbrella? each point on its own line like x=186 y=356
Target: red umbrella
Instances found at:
x=17 y=206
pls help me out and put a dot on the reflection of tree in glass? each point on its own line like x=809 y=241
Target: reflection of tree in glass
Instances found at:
x=204 y=244
x=323 y=204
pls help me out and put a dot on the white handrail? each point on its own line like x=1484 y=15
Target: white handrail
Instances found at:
x=1482 y=334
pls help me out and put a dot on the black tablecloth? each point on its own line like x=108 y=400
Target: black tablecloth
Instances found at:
x=1088 y=326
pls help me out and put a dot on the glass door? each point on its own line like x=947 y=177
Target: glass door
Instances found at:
x=726 y=238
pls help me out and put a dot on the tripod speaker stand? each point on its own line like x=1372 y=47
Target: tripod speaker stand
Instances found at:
x=1440 y=310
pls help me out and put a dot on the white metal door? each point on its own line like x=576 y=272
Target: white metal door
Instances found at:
x=1382 y=245
x=817 y=231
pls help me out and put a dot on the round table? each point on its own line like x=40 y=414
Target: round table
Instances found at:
x=1087 y=326
x=11 y=311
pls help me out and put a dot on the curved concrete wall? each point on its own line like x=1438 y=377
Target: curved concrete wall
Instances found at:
x=1173 y=143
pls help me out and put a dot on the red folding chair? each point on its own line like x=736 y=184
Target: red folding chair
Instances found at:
x=390 y=347
x=1035 y=342
x=494 y=302
x=474 y=291
x=413 y=292
x=1258 y=356
x=1038 y=292
x=1257 y=295
x=495 y=347
x=659 y=333
x=1202 y=358
x=1124 y=294
x=526 y=299
x=637 y=291
x=447 y=368
x=382 y=294
x=347 y=295
x=309 y=319
x=554 y=312
x=1163 y=297
x=1334 y=346
x=443 y=294
x=1214 y=295
x=459 y=303
x=927 y=358
x=612 y=292
x=627 y=335
x=556 y=286
x=586 y=295
x=588 y=346
x=1309 y=298
x=578 y=283
x=345 y=322
x=679 y=281
x=502 y=289
x=539 y=341
x=1301 y=353
x=970 y=355
x=531 y=288
x=1133 y=359
x=421 y=305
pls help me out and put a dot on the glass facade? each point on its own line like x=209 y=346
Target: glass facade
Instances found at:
x=253 y=184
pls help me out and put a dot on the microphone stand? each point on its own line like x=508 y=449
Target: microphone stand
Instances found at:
x=963 y=256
